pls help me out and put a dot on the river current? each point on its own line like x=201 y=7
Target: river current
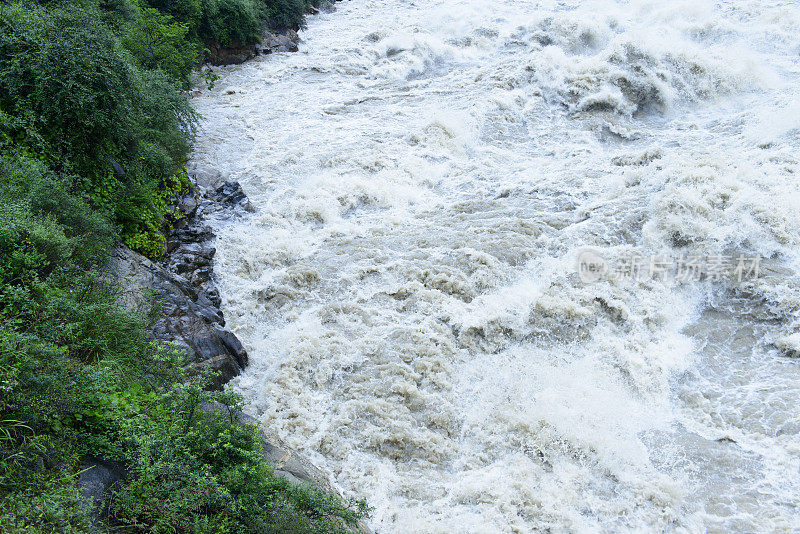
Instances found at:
x=426 y=177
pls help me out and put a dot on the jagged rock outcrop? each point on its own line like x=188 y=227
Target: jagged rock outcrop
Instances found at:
x=227 y=199
x=285 y=40
x=190 y=319
x=182 y=286
x=233 y=54
x=279 y=41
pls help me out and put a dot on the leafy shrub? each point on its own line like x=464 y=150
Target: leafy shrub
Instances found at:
x=203 y=471
x=53 y=505
x=28 y=182
x=30 y=247
x=286 y=13
x=116 y=13
x=65 y=75
x=158 y=43
x=144 y=210
x=187 y=12
x=226 y=21
x=71 y=94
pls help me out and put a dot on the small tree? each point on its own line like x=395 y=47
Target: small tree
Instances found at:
x=159 y=43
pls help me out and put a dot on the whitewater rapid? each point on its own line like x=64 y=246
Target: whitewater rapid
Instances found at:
x=425 y=176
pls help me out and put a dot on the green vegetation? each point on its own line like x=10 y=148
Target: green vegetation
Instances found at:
x=72 y=96
x=94 y=131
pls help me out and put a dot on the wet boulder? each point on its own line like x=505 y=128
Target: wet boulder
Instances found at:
x=279 y=41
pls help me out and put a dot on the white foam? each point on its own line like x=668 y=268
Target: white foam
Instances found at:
x=424 y=176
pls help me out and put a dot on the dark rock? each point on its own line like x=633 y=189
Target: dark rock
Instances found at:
x=327 y=7
x=234 y=347
x=188 y=204
x=210 y=353
x=190 y=319
x=99 y=476
x=234 y=54
x=172 y=244
x=213 y=296
x=183 y=287
x=117 y=168
x=193 y=233
x=262 y=49
x=212 y=315
x=291 y=34
x=229 y=193
x=201 y=276
x=228 y=196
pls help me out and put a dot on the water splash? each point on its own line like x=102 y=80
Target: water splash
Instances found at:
x=424 y=176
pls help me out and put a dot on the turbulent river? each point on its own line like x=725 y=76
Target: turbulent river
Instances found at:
x=413 y=288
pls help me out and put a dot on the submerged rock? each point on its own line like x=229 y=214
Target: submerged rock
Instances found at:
x=789 y=345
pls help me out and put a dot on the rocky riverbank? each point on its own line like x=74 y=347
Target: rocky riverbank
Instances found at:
x=273 y=41
x=101 y=428
x=181 y=286
x=180 y=291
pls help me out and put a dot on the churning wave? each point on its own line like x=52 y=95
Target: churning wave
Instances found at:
x=425 y=175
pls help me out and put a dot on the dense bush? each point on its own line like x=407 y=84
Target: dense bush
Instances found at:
x=200 y=470
x=159 y=43
x=72 y=95
x=29 y=186
x=226 y=21
x=47 y=504
x=64 y=75
x=184 y=11
x=287 y=13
